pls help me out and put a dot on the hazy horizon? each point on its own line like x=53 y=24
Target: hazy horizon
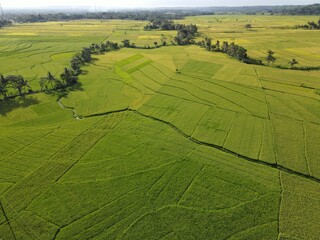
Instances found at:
x=147 y=3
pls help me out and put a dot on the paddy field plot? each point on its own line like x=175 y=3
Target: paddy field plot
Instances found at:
x=34 y=49
x=219 y=150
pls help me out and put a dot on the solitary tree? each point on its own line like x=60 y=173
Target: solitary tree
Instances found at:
x=293 y=62
x=155 y=44
x=270 y=57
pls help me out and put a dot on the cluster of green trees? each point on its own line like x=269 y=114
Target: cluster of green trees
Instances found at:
x=311 y=25
x=313 y=9
x=186 y=34
x=13 y=85
x=5 y=23
x=232 y=49
x=127 y=44
x=130 y=15
x=164 y=24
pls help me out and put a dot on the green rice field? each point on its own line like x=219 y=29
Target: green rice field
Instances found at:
x=216 y=150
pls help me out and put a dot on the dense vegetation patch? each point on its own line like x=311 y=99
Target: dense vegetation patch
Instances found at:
x=232 y=49
x=311 y=25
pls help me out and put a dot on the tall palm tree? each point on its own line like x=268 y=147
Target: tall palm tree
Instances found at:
x=293 y=62
x=270 y=57
x=49 y=79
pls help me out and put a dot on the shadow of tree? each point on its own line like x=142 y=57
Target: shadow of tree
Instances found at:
x=76 y=87
x=64 y=92
x=18 y=102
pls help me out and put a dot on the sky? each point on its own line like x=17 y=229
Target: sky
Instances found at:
x=148 y=3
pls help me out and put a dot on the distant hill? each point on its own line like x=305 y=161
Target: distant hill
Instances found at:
x=313 y=9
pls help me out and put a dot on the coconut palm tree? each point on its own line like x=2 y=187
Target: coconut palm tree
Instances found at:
x=293 y=62
x=270 y=57
x=48 y=80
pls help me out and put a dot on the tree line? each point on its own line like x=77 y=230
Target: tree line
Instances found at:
x=141 y=15
x=16 y=85
x=69 y=77
x=310 y=25
x=240 y=53
x=168 y=13
x=313 y=9
x=187 y=33
x=233 y=50
x=154 y=15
